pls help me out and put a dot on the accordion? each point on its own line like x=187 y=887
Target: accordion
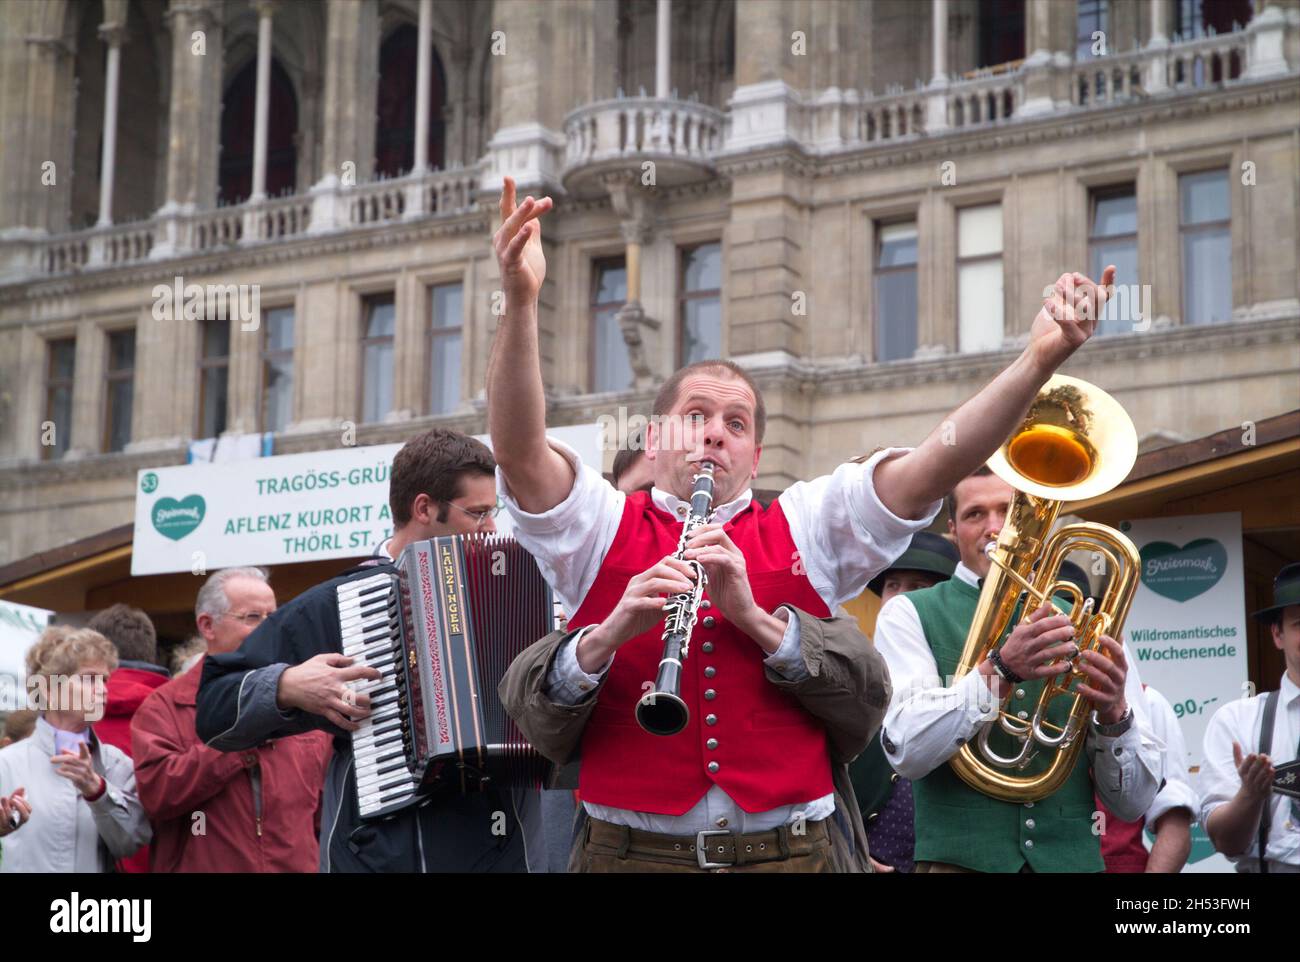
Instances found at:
x=442 y=630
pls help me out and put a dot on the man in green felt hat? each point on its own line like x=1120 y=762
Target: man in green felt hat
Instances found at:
x=1250 y=802
x=884 y=796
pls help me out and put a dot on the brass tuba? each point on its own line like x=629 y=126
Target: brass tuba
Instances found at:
x=1075 y=443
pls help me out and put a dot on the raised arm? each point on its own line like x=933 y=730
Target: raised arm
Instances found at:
x=539 y=478
x=909 y=484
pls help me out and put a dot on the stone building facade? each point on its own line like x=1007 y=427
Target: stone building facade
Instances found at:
x=860 y=201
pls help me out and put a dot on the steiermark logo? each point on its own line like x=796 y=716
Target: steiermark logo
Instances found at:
x=175 y=519
x=1183 y=573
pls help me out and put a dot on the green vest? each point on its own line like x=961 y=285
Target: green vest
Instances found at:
x=955 y=823
x=873 y=780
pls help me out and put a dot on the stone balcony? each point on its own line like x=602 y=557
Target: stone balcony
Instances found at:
x=619 y=136
x=328 y=207
x=611 y=140
x=1052 y=85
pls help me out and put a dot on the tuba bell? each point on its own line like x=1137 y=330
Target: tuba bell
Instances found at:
x=1076 y=443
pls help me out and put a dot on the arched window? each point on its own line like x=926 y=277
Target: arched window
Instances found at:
x=238 y=113
x=395 y=112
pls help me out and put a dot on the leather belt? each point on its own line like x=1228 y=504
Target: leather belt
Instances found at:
x=712 y=848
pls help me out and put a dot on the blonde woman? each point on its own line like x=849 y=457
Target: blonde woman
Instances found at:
x=70 y=802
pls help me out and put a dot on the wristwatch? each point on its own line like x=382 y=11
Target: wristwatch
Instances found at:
x=1001 y=668
x=1118 y=728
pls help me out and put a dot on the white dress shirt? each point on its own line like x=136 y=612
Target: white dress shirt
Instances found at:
x=842 y=533
x=930 y=718
x=1240 y=720
x=1177 y=791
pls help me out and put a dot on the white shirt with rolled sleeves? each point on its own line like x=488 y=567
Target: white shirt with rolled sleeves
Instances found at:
x=928 y=721
x=1177 y=791
x=1240 y=720
x=844 y=537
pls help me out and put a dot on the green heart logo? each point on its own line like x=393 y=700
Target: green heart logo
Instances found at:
x=1183 y=573
x=175 y=519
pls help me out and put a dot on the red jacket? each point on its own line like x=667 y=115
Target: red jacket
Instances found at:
x=254 y=811
x=128 y=687
x=768 y=750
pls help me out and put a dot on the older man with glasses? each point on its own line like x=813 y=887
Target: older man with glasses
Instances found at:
x=250 y=811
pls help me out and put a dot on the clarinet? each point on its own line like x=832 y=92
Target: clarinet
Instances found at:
x=661 y=710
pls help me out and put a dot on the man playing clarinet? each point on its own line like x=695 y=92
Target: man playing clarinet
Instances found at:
x=775 y=696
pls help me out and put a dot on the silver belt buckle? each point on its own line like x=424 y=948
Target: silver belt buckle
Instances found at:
x=700 y=856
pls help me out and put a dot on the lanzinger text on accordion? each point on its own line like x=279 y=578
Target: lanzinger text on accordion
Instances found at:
x=443 y=630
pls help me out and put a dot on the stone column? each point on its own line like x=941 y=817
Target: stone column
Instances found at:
x=244 y=377
x=767 y=291
x=261 y=118
x=350 y=82
x=936 y=103
x=1156 y=79
x=36 y=88
x=529 y=99
x=423 y=69
x=939 y=41
x=410 y=353
x=87 y=399
x=1159 y=21
x=113 y=34
x=1267 y=44
x=663 y=49
x=635 y=208
x=1046 y=68
x=415 y=205
x=767 y=107
x=194 y=122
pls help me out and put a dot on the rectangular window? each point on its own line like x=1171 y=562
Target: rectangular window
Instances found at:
x=1197 y=18
x=1112 y=239
x=119 y=390
x=611 y=370
x=214 y=376
x=979 y=278
x=1091 y=17
x=60 y=366
x=1205 y=223
x=895 y=321
x=277 y=369
x=700 y=303
x=379 y=327
x=446 y=332
x=1001 y=32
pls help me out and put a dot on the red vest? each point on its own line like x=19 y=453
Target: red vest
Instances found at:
x=770 y=752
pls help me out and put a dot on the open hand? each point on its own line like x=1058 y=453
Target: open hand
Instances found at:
x=518 y=246
x=1256 y=772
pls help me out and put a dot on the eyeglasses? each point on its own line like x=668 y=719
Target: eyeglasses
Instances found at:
x=479 y=516
x=250 y=618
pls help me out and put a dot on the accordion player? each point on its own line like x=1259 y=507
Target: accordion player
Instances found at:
x=442 y=630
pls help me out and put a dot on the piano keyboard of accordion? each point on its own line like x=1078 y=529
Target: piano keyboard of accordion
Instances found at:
x=442 y=632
